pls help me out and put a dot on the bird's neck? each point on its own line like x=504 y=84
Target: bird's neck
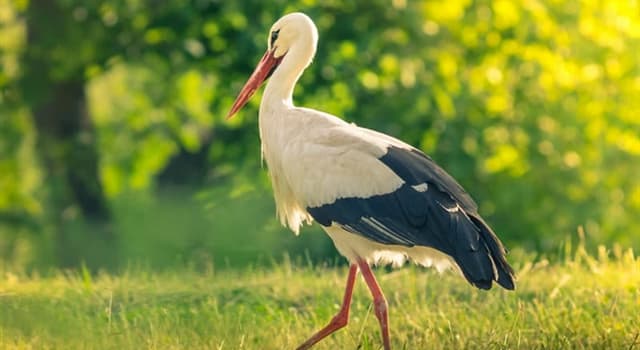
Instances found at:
x=275 y=117
x=279 y=90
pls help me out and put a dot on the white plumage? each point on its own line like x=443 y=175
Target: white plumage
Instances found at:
x=353 y=246
x=379 y=199
x=321 y=159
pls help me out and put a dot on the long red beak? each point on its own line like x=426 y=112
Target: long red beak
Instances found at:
x=265 y=67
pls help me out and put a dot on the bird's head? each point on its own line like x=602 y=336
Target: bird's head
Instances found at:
x=294 y=35
x=294 y=29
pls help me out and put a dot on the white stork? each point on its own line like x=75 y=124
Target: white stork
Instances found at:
x=379 y=199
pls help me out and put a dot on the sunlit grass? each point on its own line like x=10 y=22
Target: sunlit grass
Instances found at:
x=584 y=302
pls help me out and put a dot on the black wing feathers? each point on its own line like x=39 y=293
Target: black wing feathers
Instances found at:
x=415 y=168
x=431 y=209
x=497 y=252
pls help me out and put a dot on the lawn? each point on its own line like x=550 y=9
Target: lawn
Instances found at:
x=582 y=302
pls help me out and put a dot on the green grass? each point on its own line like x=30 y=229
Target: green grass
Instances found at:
x=584 y=302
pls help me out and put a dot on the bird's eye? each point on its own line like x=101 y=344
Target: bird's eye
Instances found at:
x=274 y=36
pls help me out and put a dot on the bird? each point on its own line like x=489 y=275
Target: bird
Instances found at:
x=380 y=200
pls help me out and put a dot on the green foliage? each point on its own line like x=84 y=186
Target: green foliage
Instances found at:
x=531 y=105
x=533 y=110
x=585 y=302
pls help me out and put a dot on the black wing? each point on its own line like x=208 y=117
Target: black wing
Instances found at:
x=431 y=209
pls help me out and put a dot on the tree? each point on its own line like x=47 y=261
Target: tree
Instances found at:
x=532 y=106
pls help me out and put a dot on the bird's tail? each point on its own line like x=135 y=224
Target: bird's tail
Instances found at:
x=487 y=263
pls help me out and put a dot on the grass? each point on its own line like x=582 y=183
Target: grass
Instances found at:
x=584 y=302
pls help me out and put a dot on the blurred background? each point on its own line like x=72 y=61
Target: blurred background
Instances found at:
x=114 y=149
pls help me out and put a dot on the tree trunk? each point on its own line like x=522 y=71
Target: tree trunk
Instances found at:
x=67 y=147
x=66 y=141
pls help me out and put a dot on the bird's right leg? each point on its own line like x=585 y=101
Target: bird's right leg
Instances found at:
x=341 y=318
x=379 y=302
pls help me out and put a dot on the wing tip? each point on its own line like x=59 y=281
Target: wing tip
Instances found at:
x=495 y=254
x=504 y=280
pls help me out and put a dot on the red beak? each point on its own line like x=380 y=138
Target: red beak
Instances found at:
x=265 y=67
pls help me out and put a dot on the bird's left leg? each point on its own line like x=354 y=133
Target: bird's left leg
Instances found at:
x=379 y=302
x=341 y=318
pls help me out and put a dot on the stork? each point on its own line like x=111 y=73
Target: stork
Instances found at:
x=379 y=199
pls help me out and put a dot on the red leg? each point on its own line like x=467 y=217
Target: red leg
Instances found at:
x=379 y=302
x=341 y=318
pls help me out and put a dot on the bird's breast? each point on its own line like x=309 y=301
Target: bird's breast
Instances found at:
x=289 y=210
